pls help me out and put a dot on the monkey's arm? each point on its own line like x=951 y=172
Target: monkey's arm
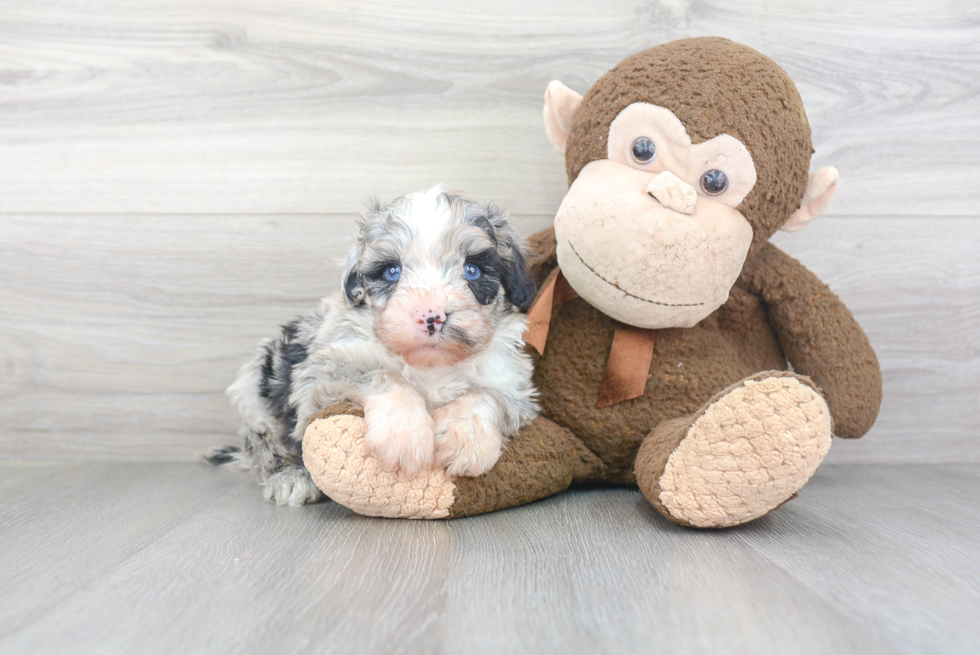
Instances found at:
x=542 y=254
x=820 y=338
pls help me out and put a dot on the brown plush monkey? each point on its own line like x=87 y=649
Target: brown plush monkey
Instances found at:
x=665 y=321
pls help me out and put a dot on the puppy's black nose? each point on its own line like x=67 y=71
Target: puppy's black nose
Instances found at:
x=430 y=321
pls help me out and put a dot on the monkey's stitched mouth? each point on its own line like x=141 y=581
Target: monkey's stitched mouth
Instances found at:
x=631 y=295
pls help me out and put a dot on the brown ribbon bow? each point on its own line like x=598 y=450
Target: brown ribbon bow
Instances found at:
x=629 y=357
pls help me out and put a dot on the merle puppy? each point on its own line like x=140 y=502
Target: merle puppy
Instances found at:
x=426 y=336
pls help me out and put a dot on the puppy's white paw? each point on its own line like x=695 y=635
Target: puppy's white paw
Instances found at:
x=398 y=430
x=467 y=441
x=292 y=486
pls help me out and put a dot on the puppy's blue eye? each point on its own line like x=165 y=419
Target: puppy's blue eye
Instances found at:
x=393 y=272
x=472 y=272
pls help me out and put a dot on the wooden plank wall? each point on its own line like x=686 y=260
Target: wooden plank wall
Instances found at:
x=178 y=177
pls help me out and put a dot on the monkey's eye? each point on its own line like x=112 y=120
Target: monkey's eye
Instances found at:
x=644 y=150
x=714 y=182
x=472 y=272
x=393 y=272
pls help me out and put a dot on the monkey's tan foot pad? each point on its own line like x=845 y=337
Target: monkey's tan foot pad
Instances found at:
x=749 y=452
x=338 y=460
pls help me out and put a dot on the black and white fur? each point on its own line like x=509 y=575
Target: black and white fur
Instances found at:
x=436 y=360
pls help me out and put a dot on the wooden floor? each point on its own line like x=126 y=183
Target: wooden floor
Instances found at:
x=179 y=557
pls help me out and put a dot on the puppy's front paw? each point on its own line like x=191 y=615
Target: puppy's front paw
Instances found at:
x=467 y=442
x=398 y=430
x=292 y=486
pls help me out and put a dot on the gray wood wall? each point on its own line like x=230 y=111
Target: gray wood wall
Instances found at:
x=178 y=177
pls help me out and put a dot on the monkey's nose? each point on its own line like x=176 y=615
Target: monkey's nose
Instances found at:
x=673 y=193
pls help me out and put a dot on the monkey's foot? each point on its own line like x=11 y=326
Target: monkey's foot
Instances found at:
x=747 y=452
x=340 y=464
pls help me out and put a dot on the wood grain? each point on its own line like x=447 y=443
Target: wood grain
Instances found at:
x=883 y=569
x=603 y=573
x=152 y=557
x=120 y=333
x=215 y=567
x=182 y=106
x=178 y=178
x=92 y=518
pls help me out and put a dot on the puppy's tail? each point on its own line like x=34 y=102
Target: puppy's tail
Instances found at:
x=228 y=456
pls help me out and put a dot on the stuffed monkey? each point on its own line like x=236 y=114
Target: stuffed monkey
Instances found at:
x=666 y=323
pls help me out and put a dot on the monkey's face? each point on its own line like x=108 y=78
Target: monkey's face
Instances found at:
x=651 y=235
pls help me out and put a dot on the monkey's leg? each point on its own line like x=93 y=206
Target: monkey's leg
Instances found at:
x=747 y=451
x=540 y=461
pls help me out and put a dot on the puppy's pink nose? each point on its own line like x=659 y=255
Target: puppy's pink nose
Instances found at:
x=430 y=320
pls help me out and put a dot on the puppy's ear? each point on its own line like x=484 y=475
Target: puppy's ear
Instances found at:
x=353 y=288
x=515 y=276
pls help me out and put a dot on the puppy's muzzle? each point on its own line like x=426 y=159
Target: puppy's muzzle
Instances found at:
x=430 y=321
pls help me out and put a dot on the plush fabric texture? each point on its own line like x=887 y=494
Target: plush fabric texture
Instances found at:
x=646 y=265
x=777 y=309
x=557 y=124
x=629 y=360
x=674 y=194
x=747 y=451
x=820 y=188
x=629 y=355
x=553 y=292
x=540 y=461
x=335 y=454
x=819 y=335
x=678 y=155
x=714 y=86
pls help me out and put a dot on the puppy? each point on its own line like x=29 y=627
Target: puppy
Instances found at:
x=426 y=336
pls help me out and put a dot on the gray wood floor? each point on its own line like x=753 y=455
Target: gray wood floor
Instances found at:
x=179 y=557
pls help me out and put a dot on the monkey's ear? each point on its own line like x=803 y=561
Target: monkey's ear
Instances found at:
x=560 y=106
x=820 y=189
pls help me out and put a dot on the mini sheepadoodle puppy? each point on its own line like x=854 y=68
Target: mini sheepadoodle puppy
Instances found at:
x=426 y=336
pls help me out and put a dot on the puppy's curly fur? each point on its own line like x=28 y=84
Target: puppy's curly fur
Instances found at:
x=426 y=336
